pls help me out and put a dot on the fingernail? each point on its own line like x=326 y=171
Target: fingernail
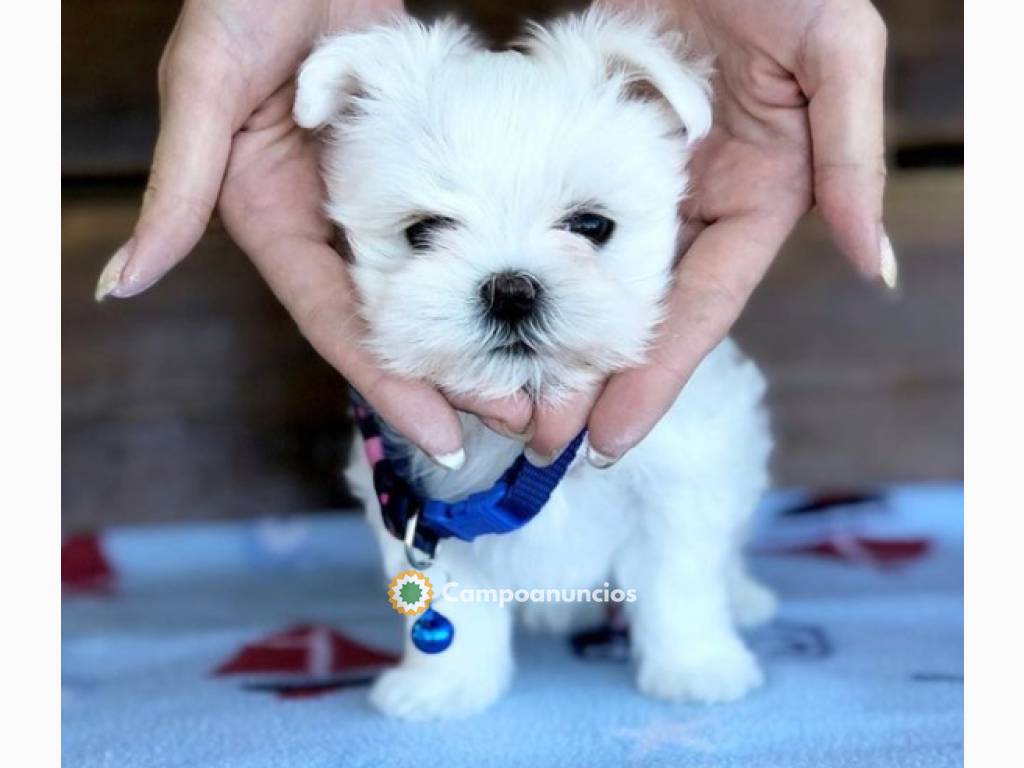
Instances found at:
x=540 y=459
x=888 y=269
x=499 y=426
x=132 y=283
x=450 y=461
x=597 y=459
x=110 y=277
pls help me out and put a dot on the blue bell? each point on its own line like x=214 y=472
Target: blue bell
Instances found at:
x=432 y=632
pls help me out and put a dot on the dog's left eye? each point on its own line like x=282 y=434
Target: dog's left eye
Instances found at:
x=420 y=234
x=593 y=226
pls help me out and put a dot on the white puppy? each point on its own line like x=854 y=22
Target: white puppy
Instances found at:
x=513 y=219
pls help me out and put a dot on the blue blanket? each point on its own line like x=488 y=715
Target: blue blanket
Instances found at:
x=252 y=644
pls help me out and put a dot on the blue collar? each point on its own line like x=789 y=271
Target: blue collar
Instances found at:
x=513 y=501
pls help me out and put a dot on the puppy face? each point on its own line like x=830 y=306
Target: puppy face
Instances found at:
x=512 y=216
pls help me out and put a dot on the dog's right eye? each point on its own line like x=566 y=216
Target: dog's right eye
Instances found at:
x=421 y=234
x=593 y=226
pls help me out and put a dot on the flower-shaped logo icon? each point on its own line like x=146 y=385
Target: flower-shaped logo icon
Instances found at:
x=410 y=593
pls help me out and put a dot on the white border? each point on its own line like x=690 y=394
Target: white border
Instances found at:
x=30 y=325
x=994 y=385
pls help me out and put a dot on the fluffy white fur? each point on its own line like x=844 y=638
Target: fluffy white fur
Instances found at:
x=422 y=121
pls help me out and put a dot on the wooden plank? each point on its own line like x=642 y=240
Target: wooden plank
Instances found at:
x=867 y=387
x=197 y=400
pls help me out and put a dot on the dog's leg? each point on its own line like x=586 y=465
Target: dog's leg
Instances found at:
x=463 y=680
x=681 y=625
x=752 y=603
x=477 y=667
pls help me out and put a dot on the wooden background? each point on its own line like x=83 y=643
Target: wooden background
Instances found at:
x=200 y=399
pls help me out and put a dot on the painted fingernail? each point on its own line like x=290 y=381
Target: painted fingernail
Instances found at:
x=450 y=461
x=110 y=277
x=888 y=269
x=597 y=459
x=540 y=459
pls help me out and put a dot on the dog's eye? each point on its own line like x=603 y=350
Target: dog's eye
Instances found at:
x=420 y=234
x=593 y=226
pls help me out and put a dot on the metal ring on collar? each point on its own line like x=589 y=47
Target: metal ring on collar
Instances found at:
x=417 y=558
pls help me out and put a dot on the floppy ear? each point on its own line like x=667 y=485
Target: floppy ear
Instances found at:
x=649 y=62
x=369 y=63
x=328 y=78
x=659 y=62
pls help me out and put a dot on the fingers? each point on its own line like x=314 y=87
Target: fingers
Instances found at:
x=842 y=74
x=555 y=426
x=311 y=281
x=188 y=167
x=712 y=285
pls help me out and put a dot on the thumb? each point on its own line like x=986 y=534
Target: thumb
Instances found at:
x=188 y=166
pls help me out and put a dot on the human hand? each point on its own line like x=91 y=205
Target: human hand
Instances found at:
x=227 y=138
x=798 y=122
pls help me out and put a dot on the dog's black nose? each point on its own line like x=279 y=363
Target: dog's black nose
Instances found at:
x=510 y=296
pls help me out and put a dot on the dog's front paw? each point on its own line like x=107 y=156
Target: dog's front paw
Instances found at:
x=421 y=693
x=725 y=673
